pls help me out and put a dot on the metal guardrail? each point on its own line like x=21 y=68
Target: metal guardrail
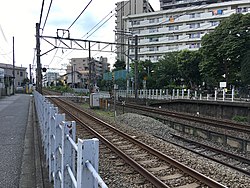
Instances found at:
x=61 y=150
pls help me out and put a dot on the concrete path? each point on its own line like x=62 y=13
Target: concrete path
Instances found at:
x=21 y=163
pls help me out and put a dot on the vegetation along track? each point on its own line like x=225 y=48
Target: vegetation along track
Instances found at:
x=205 y=120
x=158 y=168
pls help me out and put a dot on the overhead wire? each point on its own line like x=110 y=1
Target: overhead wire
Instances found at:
x=47 y=15
x=70 y=27
x=98 y=27
x=80 y=14
x=41 y=14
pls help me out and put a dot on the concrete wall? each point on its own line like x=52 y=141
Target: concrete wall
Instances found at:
x=225 y=110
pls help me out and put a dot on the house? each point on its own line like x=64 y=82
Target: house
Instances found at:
x=10 y=83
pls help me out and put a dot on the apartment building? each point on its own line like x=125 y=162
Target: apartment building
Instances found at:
x=170 y=4
x=177 y=29
x=78 y=70
x=125 y=8
x=50 y=78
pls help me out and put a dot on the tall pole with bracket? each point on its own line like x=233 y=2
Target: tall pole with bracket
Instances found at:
x=13 y=66
x=39 y=67
x=136 y=66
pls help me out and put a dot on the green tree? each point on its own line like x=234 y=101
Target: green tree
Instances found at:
x=245 y=69
x=145 y=69
x=188 y=67
x=223 y=50
x=119 y=65
x=166 y=70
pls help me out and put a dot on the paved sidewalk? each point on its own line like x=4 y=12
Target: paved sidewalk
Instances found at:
x=21 y=164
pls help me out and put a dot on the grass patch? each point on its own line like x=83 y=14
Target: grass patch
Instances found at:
x=107 y=114
x=239 y=118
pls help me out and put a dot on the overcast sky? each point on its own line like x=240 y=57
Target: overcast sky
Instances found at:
x=18 y=18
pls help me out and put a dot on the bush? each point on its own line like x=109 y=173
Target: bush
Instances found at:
x=240 y=118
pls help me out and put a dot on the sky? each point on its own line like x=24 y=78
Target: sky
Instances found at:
x=18 y=19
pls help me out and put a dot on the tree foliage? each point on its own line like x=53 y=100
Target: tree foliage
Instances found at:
x=188 y=67
x=245 y=69
x=223 y=50
x=166 y=70
x=119 y=65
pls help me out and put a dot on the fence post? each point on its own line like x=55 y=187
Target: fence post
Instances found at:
x=52 y=130
x=68 y=157
x=87 y=150
x=58 y=144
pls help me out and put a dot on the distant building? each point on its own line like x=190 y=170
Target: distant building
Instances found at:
x=50 y=78
x=7 y=83
x=125 y=8
x=78 y=71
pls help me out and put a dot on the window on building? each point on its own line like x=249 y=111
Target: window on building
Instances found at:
x=136 y=22
x=194 y=25
x=215 y=23
x=173 y=27
x=17 y=72
x=192 y=15
x=155 y=48
x=154 y=39
x=153 y=30
x=21 y=73
x=173 y=37
x=194 y=45
x=194 y=35
x=242 y=9
x=151 y=20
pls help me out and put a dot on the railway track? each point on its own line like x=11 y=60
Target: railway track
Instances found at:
x=212 y=122
x=233 y=161
x=159 y=169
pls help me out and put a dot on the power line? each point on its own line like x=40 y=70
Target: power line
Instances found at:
x=47 y=16
x=91 y=28
x=70 y=27
x=98 y=27
x=98 y=23
x=80 y=14
x=41 y=14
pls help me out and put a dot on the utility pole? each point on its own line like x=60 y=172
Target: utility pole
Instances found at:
x=30 y=75
x=128 y=68
x=136 y=65
x=13 y=65
x=39 y=67
x=90 y=71
x=72 y=71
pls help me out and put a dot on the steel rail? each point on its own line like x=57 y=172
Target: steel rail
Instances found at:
x=202 y=178
x=213 y=122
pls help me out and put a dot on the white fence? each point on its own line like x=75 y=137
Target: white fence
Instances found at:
x=60 y=148
x=162 y=94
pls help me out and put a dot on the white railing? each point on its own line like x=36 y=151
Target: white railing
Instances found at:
x=163 y=94
x=61 y=150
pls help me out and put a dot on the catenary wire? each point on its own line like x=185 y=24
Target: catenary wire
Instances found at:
x=47 y=15
x=97 y=28
x=80 y=14
x=69 y=28
x=41 y=14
